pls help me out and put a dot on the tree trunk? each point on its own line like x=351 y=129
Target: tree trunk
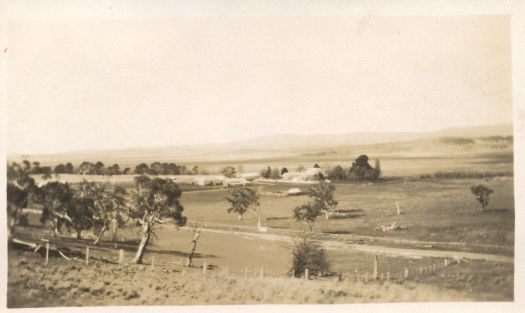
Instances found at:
x=11 y=231
x=79 y=233
x=55 y=226
x=240 y=217
x=146 y=232
x=193 y=247
x=101 y=233
x=326 y=215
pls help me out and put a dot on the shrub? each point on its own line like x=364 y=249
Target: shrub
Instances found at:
x=308 y=254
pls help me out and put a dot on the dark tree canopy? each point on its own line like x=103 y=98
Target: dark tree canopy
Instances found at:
x=482 y=194
x=266 y=173
x=241 y=198
x=362 y=170
x=337 y=173
x=309 y=254
x=229 y=171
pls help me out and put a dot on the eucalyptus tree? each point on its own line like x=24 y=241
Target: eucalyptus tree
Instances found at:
x=20 y=189
x=56 y=199
x=322 y=195
x=108 y=207
x=154 y=200
x=241 y=198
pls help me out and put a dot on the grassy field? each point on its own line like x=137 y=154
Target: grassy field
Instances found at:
x=74 y=283
x=432 y=210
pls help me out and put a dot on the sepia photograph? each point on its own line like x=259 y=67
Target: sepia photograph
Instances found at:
x=243 y=153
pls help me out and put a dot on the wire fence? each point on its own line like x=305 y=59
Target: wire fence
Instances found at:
x=89 y=254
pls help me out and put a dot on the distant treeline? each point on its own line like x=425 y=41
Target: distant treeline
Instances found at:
x=468 y=174
x=99 y=168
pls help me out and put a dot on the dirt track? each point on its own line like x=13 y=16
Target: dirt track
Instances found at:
x=374 y=249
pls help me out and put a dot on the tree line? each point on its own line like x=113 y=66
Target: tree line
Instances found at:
x=359 y=170
x=94 y=206
x=99 y=168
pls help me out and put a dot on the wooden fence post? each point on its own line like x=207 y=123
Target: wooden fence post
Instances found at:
x=204 y=268
x=121 y=257
x=374 y=275
x=87 y=255
x=47 y=253
x=262 y=273
x=306 y=274
x=398 y=208
x=293 y=272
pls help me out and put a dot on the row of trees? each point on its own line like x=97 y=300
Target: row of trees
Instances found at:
x=93 y=206
x=99 y=168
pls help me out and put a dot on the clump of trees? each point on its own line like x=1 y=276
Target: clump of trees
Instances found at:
x=323 y=202
x=482 y=194
x=359 y=171
x=93 y=206
x=157 y=168
x=362 y=170
x=242 y=198
x=21 y=189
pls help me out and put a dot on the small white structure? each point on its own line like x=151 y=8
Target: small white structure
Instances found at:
x=294 y=192
x=309 y=174
x=250 y=176
x=235 y=181
x=210 y=180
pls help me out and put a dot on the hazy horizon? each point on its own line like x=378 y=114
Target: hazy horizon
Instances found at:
x=207 y=145
x=108 y=84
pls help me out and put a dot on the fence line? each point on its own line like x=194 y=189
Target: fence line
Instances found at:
x=408 y=272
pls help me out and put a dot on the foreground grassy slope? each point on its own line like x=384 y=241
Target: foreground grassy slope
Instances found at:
x=30 y=284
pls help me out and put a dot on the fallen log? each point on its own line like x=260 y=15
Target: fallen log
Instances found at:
x=26 y=245
x=55 y=251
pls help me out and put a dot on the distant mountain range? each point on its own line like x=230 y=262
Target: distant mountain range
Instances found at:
x=450 y=140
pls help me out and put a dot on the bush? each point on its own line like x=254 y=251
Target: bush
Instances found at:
x=308 y=254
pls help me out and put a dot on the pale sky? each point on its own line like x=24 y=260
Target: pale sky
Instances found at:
x=97 y=84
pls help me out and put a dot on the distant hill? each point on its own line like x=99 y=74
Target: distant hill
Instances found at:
x=480 y=139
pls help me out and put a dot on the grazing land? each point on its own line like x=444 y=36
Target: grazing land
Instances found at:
x=439 y=220
x=432 y=210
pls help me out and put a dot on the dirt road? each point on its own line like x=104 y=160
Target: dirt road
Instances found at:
x=372 y=249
